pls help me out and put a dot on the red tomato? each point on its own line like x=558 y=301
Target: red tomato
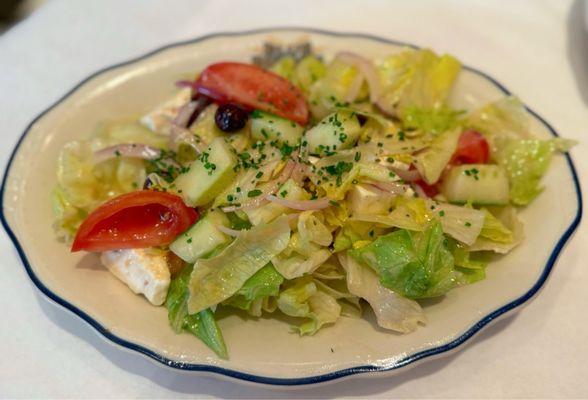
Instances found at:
x=430 y=190
x=254 y=88
x=135 y=220
x=472 y=148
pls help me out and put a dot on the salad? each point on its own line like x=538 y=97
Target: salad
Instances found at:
x=303 y=186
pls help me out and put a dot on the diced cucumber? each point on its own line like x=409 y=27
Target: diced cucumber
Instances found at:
x=482 y=184
x=337 y=131
x=264 y=214
x=202 y=238
x=208 y=175
x=266 y=126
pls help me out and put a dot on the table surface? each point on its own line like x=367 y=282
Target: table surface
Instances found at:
x=538 y=49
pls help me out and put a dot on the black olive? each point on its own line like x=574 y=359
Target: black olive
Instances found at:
x=230 y=118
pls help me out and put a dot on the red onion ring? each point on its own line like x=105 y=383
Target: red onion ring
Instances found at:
x=184 y=114
x=301 y=205
x=410 y=175
x=271 y=188
x=228 y=231
x=128 y=150
x=390 y=187
x=367 y=69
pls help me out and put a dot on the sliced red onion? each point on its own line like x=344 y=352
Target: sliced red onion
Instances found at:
x=128 y=150
x=250 y=205
x=185 y=113
x=409 y=175
x=367 y=69
x=386 y=108
x=178 y=134
x=270 y=189
x=354 y=89
x=390 y=187
x=301 y=205
x=228 y=231
x=420 y=191
x=184 y=83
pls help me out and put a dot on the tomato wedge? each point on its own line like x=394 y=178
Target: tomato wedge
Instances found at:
x=472 y=148
x=135 y=220
x=254 y=88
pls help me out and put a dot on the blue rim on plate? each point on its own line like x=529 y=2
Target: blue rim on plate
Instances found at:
x=311 y=379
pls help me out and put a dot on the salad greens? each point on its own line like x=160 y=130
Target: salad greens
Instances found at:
x=364 y=205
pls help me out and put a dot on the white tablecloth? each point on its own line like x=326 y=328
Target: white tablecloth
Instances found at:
x=536 y=48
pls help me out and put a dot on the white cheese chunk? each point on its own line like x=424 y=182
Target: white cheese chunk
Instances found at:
x=143 y=270
x=365 y=200
x=159 y=119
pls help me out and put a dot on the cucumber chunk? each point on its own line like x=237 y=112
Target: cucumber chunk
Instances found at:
x=481 y=184
x=208 y=175
x=266 y=126
x=202 y=238
x=337 y=131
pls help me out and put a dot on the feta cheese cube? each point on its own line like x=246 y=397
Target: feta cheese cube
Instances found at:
x=144 y=271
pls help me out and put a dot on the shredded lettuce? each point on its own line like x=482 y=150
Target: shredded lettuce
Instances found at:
x=494 y=237
x=304 y=300
x=526 y=161
x=216 y=279
x=202 y=324
x=418 y=79
x=462 y=223
x=432 y=161
x=392 y=311
x=433 y=121
x=413 y=264
x=264 y=283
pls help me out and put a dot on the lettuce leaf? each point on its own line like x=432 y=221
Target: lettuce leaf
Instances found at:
x=507 y=216
x=494 y=229
x=462 y=223
x=504 y=118
x=304 y=300
x=526 y=161
x=264 y=283
x=433 y=121
x=392 y=311
x=216 y=279
x=202 y=325
x=417 y=78
x=412 y=264
x=432 y=161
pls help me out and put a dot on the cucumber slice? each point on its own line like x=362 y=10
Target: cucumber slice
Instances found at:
x=336 y=131
x=202 y=238
x=208 y=175
x=481 y=184
x=266 y=126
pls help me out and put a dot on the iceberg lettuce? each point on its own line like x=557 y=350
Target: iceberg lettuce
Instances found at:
x=304 y=300
x=417 y=82
x=392 y=311
x=264 y=283
x=526 y=161
x=202 y=325
x=412 y=264
x=216 y=279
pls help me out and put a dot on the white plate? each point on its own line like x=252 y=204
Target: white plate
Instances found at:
x=262 y=351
